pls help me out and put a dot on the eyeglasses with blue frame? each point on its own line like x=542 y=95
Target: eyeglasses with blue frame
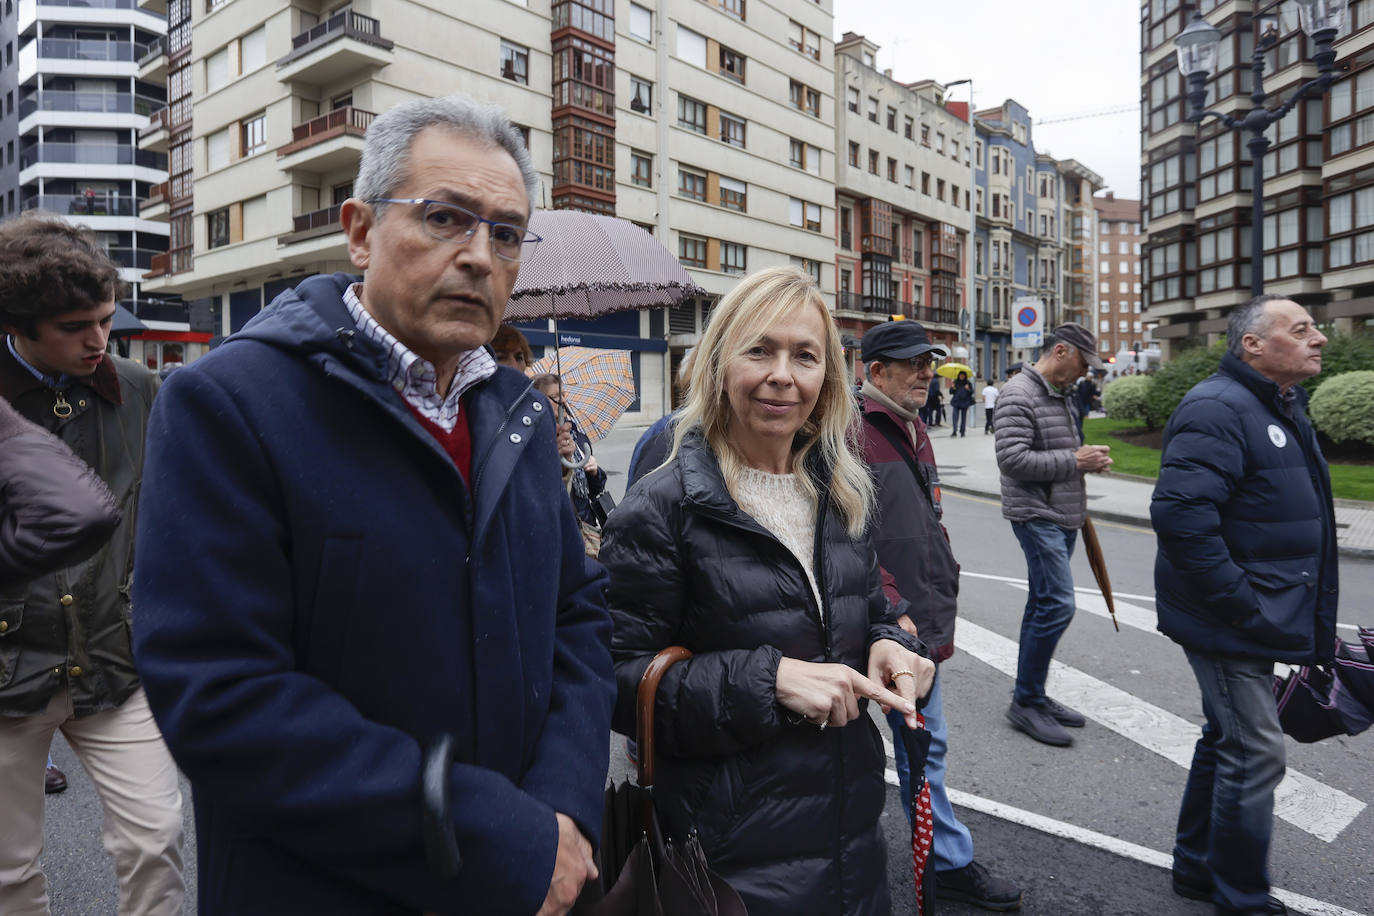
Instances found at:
x=451 y=223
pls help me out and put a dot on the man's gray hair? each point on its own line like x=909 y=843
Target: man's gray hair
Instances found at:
x=386 y=147
x=1248 y=319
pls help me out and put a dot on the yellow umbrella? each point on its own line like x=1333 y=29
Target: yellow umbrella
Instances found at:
x=952 y=370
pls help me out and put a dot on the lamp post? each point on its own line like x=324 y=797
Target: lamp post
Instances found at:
x=1197 y=59
x=970 y=307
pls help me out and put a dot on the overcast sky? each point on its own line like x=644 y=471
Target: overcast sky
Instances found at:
x=1058 y=58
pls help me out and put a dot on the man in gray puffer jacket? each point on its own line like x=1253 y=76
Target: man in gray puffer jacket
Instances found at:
x=1043 y=460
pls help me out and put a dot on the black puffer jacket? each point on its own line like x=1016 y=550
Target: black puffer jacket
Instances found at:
x=787 y=813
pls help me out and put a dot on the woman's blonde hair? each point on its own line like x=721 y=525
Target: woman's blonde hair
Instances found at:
x=761 y=300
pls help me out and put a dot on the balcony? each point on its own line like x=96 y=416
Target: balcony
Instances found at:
x=175 y=261
x=313 y=225
x=87 y=102
x=157 y=205
x=80 y=205
x=90 y=154
x=946 y=263
x=88 y=49
x=156 y=135
x=868 y=305
x=153 y=6
x=343 y=44
x=936 y=315
x=327 y=143
x=984 y=320
x=152 y=66
x=846 y=240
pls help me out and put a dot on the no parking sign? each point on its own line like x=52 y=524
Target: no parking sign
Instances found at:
x=1027 y=322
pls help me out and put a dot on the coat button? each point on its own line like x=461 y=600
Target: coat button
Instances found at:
x=536 y=407
x=66 y=600
x=75 y=671
x=515 y=437
x=526 y=421
x=4 y=625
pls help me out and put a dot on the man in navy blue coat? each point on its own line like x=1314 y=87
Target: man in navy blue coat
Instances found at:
x=1245 y=576
x=356 y=543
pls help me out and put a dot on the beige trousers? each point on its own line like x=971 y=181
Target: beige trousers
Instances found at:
x=123 y=752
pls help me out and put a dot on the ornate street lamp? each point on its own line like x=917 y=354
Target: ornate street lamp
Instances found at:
x=1197 y=59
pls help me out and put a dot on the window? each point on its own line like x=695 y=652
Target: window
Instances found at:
x=691 y=250
x=891 y=169
x=515 y=62
x=217 y=228
x=731 y=64
x=734 y=258
x=812 y=268
x=217 y=150
x=691 y=184
x=852 y=99
x=253 y=50
x=641 y=23
x=691 y=47
x=939 y=189
x=804 y=40
x=909 y=174
x=806 y=157
x=254 y=139
x=925 y=183
x=732 y=129
x=853 y=154
x=873 y=161
x=804 y=215
x=217 y=70
x=691 y=114
x=892 y=119
x=734 y=195
x=873 y=109
x=908 y=128
x=805 y=98
x=925 y=135
x=733 y=7
x=641 y=95
x=641 y=169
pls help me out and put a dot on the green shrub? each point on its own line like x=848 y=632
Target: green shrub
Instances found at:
x=1343 y=407
x=1343 y=353
x=1124 y=399
x=1173 y=379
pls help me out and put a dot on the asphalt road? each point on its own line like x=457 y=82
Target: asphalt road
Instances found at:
x=1039 y=815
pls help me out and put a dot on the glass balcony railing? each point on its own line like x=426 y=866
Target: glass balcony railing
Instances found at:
x=155 y=49
x=88 y=102
x=91 y=154
x=93 y=4
x=89 y=49
x=81 y=205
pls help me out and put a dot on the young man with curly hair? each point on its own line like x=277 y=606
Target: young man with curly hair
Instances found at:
x=66 y=661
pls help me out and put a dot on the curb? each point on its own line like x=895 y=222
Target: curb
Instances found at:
x=1135 y=521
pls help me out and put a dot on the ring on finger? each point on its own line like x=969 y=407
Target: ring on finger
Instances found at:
x=897 y=674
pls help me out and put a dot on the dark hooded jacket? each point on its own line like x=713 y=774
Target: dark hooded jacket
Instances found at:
x=1247 y=562
x=788 y=813
x=322 y=595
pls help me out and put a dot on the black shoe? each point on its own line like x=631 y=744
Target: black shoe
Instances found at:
x=54 y=781
x=1037 y=722
x=1195 y=890
x=1065 y=716
x=972 y=884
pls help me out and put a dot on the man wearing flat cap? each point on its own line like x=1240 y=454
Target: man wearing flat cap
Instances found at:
x=1042 y=459
x=914 y=549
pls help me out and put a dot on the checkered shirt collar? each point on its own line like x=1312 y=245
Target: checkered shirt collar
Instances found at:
x=414 y=377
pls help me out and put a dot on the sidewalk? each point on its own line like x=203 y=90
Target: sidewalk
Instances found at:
x=968 y=465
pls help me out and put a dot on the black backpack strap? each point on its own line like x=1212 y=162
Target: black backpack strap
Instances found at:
x=887 y=428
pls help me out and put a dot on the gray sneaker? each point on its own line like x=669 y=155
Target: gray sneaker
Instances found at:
x=1065 y=716
x=1037 y=722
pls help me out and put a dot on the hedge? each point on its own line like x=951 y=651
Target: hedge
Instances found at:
x=1343 y=353
x=1343 y=407
x=1124 y=399
x=1173 y=380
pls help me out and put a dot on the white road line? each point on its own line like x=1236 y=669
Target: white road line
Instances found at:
x=1114 y=845
x=1022 y=583
x=1301 y=800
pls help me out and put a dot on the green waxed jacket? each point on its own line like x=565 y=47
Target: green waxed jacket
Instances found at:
x=71 y=628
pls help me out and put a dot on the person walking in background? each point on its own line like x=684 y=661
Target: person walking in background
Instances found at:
x=383 y=660
x=989 y=402
x=748 y=548
x=70 y=666
x=510 y=348
x=587 y=482
x=1042 y=463
x=1245 y=576
x=935 y=406
x=960 y=401
x=1085 y=393
x=913 y=546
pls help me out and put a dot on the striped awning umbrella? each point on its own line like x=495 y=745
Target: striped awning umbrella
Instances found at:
x=589 y=265
x=598 y=385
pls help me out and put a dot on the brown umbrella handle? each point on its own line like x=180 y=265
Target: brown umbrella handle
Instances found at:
x=644 y=708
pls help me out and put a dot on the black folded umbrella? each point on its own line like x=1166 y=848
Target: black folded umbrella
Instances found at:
x=641 y=873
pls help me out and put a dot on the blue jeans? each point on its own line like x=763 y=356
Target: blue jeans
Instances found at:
x=960 y=420
x=1227 y=815
x=952 y=846
x=1049 y=605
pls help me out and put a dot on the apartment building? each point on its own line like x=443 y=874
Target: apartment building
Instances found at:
x=73 y=96
x=710 y=124
x=1196 y=181
x=1077 y=231
x=1119 y=322
x=902 y=195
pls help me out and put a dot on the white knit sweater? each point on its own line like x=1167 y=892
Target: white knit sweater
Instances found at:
x=781 y=504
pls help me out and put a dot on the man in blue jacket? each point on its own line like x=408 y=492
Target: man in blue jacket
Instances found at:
x=358 y=551
x=1245 y=576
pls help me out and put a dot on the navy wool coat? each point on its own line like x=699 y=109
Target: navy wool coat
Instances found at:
x=1247 y=534
x=320 y=595
x=787 y=813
